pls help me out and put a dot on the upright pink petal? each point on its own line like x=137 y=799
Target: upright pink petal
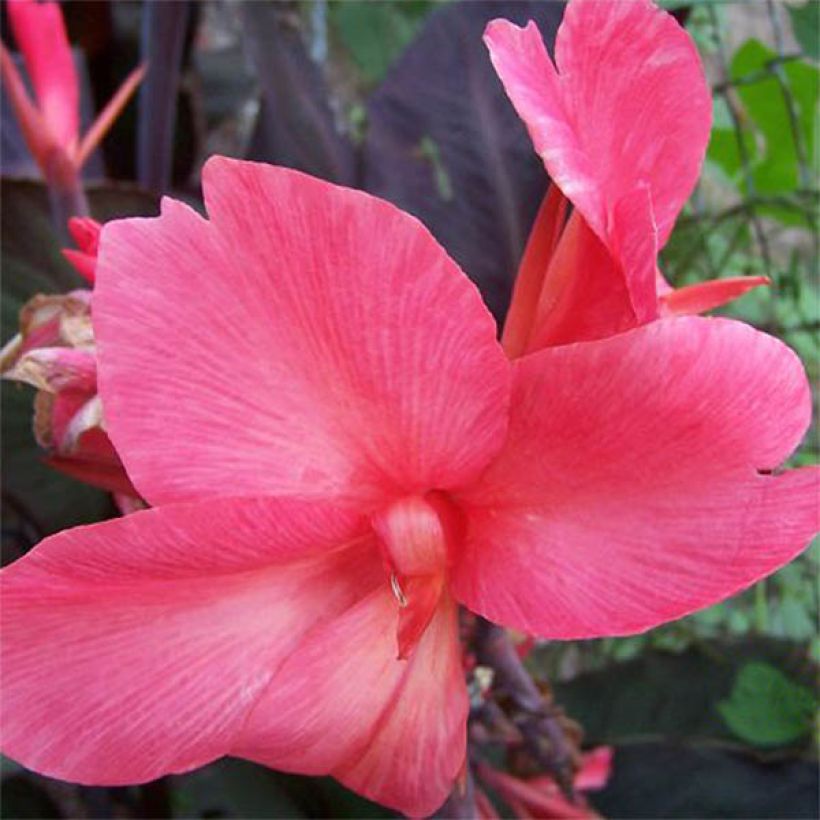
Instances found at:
x=626 y=104
x=40 y=34
x=305 y=339
x=535 y=262
x=138 y=647
x=343 y=704
x=634 y=485
x=591 y=291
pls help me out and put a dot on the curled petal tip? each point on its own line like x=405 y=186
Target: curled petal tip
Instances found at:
x=706 y=296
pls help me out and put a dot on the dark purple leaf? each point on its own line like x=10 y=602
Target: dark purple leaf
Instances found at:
x=296 y=125
x=673 y=780
x=163 y=37
x=444 y=143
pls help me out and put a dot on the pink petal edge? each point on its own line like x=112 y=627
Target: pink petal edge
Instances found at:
x=137 y=647
x=627 y=105
x=323 y=346
x=633 y=488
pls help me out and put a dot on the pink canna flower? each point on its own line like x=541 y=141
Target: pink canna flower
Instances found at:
x=311 y=394
x=50 y=125
x=622 y=132
x=55 y=353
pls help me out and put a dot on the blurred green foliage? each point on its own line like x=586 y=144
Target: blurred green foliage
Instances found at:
x=766 y=708
x=806 y=25
x=374 y=34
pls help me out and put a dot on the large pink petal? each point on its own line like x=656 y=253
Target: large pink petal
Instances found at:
x=627 y=105
x=137 y=647
x=41 y=36
x=629 y=492
x=343 y=704
x=306 y=339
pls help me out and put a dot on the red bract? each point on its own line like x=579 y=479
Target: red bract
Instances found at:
x=312 y=395
x=622 y=132
x=55 y=353
x=86 y=234
x=51 y=125
x=540 y=796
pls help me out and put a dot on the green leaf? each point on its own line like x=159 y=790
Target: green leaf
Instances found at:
x=778 y=169
x=376 y=32
x=806 y=24
x=723 y=144
x=674 y=754
x=766 y=708
x=673 y=697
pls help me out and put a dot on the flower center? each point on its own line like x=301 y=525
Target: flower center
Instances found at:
x=417 y=535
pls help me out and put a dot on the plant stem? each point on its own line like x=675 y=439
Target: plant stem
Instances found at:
x=66 y=194
x=538 y=720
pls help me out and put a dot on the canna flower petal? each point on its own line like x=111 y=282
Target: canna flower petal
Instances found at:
x=633 y=487
x=86 y=234
x=94 y=461
x=303 y=338
x=139 y=646
x=56 y=368
x=587 y=292
x=392 y=730
x=534 y=798
x=626 y=104
x=596 y=767
x=41 y=36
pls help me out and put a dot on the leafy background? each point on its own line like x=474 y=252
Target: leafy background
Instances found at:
x=712 y=716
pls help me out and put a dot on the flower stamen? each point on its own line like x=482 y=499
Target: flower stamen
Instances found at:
x=397 y=590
